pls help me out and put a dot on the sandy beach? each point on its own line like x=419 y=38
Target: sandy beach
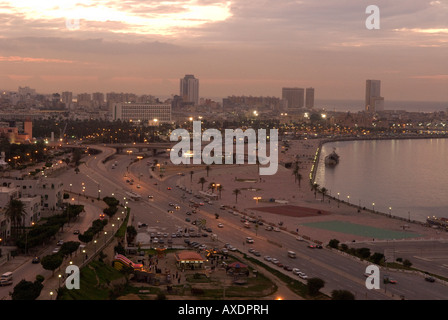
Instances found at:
x=282 y=201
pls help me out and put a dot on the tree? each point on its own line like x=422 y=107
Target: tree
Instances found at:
x=131 y=233
x=314 y=188
x=15 y=212
x=69 y=247
x=377 y=258
x=363 y=253
x=52 y=262
x=314 y=285
x=299 y=178
x=407 y=263
x=202 y=181
x=220 y=188
x=236 y=192
x=324 y=192
x=27 y=290
x=191 y=175
x=208 y=168
x=333 y=243
x=342 y=295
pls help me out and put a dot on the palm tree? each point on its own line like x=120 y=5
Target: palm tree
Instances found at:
x=315 y=187
x=220 y=188
x=295 y=172
x=15 y=212
x=236 y=192
x=202 y=181
x=212 y=186
x=324 y=192
x=299 y=177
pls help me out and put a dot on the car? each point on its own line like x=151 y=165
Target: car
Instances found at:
x=388 y=279
x=155 y=240
x=60 y=242
x=276 y=229
x=35 y=260
x=177 y=207
x=251 y=250
x=303 y=276
x=312 y=246
x=173 y=235
x=76 y=232
x=56 y=250
x=249 y=240
x=319 y=246
x=220 y=225
x=430 y=279
x=275 y=261
x=168 y=188
x=150 y=197
x=170 y=211
x=204 y=235
x=257 y=253
x=267 y=258
x=202 y=247
x=161 y=241
x=296 y=271
x=138 y=186
x=300 y=239
x=269 y=228
x=171 y=204
x=287 y=268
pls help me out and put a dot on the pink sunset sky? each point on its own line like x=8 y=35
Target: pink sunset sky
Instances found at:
x=236 y=47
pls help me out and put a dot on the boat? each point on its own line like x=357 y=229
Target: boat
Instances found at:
x=332 y=159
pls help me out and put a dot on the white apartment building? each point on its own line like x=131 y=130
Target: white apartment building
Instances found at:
x=141 y=112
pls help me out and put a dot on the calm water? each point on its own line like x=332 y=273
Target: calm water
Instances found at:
x=410 y=176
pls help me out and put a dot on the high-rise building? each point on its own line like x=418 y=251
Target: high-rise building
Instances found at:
x=189 y=89
x=309 y=102
x=67 y=98
x=295 y=97
x=374 y=101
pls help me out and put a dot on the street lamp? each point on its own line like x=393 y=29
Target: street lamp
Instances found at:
x=348 y=199
x=338 y=199
x=51 y=295
x=256 y=199
x=373 y=206
x=390 y=209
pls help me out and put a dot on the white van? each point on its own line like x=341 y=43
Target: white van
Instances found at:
x=292 y=254
x=6 y=279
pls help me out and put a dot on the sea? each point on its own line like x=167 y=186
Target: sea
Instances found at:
x=355 y=106
x=407 y=178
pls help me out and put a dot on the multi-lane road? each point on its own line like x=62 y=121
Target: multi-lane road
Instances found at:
x=338 y=271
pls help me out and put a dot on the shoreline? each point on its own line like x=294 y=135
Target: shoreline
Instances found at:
x=352 y=139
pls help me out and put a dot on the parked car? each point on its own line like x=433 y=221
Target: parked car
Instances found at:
x=249 y=240
x=35 y=260
x=430 y=279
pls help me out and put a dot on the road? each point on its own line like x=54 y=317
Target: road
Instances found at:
x=340 y=272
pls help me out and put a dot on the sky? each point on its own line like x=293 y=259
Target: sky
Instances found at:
x=235 y=47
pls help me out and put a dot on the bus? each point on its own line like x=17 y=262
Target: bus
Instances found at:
x=133 y=196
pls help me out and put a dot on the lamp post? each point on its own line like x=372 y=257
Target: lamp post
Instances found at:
x=348 y=199
x=338 y=199
x=373 y=206
x=390 y=213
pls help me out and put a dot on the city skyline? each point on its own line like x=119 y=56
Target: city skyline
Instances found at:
x=234 y=47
